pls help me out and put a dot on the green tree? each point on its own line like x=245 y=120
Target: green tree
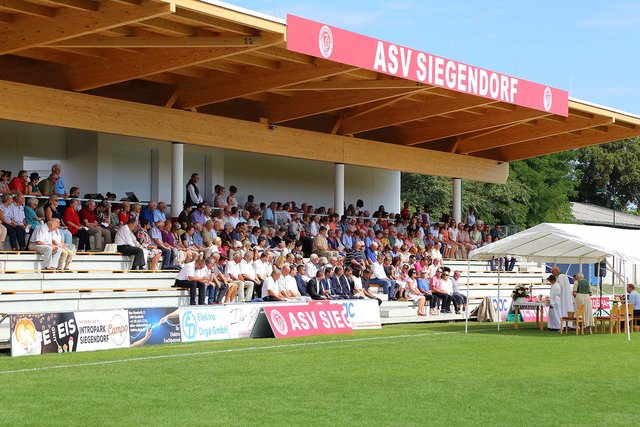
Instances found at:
x=614 y=166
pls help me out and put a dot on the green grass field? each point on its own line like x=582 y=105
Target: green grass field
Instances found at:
x=401 y=375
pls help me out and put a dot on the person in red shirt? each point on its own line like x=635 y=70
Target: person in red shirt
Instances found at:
x=19 y=182
x=404 y=213
x=72 y=221
x=90 y=221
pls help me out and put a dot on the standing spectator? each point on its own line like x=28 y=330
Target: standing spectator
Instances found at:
x=75 y=227
x=193 y=192
x=231 y=199
x=250 y=205
x=219 y=201
x=19 y=183
x=59 y=188
x=127 y=244
x=102 y=236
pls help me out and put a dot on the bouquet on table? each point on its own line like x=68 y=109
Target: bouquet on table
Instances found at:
x=520 y=292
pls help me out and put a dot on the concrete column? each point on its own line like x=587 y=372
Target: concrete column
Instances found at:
x=177 y=170
x=338 y=191
x=457 y=199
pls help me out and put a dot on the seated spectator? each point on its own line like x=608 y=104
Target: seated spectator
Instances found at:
x=184 y=218
x=193 y=276
x=379 y=277
x=216 y=288
x=47 y=241
x=13 y=219
x=219 y=200
x=167 y=253
x=103 y=216
x=422 y=283
x=32 y=188
x=414 y=294
x=355 y=258
x=446 y=293
x=245 y=288
x=47 y=187
x=127 y=244
x=19 y=183
x=270 y=288
x=179 y=254
x=364 y=289
x=32 y=218
x=151 y=250
x=102 y=236
x=4 y=181
x=314 y=286
x=72 y=221
x=51 y=210
x=198 y=216
x=300 y=281
x=459 y=298
x=248 y=271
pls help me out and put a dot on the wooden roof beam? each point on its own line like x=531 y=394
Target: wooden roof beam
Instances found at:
x=87 y=5
x=226 y=87
x=556 y=144
x=121 y=66
x=28 y=8
x=309 y=104
x=159 y=41
x=70 y=23
x=439 y=128
x=354 y=85
x=521 y=133
x=395 y=116
x=213 y=22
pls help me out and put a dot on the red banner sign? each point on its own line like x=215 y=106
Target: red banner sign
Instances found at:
x=323 y=41
x=311 y=319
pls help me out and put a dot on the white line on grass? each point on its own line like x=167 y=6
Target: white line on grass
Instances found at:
x=229 y=350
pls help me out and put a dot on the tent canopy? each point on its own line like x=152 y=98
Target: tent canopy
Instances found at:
x=566 y=243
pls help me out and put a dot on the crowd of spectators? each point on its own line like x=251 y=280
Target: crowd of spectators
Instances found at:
x=226 y=251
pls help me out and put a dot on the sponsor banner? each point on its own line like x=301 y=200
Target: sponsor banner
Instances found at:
x=149 y=326
x=324 y=41
x=102 y=330
x=315 y=318
x=241 y=318
x=529 y=315
x=606 y=302
x=203 y=323
x=502 y=305
x=40 y=333
x=362 y=313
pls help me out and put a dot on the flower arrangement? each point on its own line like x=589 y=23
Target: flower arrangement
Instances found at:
x=520 y=291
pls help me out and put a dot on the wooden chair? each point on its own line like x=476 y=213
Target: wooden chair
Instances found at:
x=577 y=319
x=611 y=318
x=622 y=316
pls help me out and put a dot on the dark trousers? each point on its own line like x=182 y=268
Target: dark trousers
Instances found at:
x=192 y=286
x=16 y=237
x=269 y=298
x=167 y=258
x=83 y=240
x=445 y=301
x=215 y=294
x=138 y=255
x=459 y=299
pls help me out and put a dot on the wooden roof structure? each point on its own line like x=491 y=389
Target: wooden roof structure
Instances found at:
x=212 y=74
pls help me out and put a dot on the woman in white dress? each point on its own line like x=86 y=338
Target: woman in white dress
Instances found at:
x=413 y=293
x=555 y=296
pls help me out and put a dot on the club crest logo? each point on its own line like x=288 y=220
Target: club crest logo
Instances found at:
x=548 y=99
x=325 y=41
x=279 y=323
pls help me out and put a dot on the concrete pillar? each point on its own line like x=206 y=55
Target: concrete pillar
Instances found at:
x=177 y=186
x=457 y=199
x=338 y=190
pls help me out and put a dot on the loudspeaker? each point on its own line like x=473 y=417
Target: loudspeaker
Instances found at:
x=601 y=268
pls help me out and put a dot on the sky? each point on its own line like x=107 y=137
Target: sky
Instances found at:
x=590 y=48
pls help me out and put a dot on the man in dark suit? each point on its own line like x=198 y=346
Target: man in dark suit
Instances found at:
x=342 y=285
x=328 y=285
x=302 y=286
x=314 y=286
x=347 y=279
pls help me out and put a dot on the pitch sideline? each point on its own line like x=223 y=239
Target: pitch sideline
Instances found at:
x=229 y=350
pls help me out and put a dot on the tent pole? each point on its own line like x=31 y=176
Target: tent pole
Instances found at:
x=466 y=314
x=626 y=299
x=498 y=297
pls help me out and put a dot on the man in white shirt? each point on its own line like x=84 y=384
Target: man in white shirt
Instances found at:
x=380 y=278
x=291 y=288
x=192 y=276
x=248 y=269
x=15 y=223
x=127 y=244
x=48 y=242
x=263 y=270
x=447 y=287
x=245 y=288
x=312 y=266
x=270 y=290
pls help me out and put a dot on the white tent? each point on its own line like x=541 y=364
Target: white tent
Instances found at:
x=565 y=243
